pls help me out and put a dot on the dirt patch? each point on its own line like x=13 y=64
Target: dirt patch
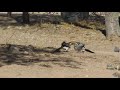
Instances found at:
x=47 y=37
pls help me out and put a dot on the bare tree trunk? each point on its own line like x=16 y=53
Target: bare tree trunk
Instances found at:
x=74 y=17
x=26 y=18
x=112 y=24
x=84 y=15
x=65 y=15
x=9 y=14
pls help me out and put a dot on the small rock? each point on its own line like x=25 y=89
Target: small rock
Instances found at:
x=116 y=74
x=116 y=49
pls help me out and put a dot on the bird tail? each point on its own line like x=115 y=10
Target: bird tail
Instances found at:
x=89 y=51
x=56 y=50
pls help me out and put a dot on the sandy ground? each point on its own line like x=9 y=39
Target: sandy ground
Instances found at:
x=63 y=65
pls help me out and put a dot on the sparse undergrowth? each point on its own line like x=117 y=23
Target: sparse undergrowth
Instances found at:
x=51 y=35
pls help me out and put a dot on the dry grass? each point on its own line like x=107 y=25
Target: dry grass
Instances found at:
x=47 y=37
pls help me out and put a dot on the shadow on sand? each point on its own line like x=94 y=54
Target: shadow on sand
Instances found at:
x=29 y=55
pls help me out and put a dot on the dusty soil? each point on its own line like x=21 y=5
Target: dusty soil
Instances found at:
x=60 y=65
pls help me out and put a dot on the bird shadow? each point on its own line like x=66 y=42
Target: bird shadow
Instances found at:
x=42 y=56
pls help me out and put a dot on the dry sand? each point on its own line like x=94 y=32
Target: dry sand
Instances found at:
x=70 y=64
